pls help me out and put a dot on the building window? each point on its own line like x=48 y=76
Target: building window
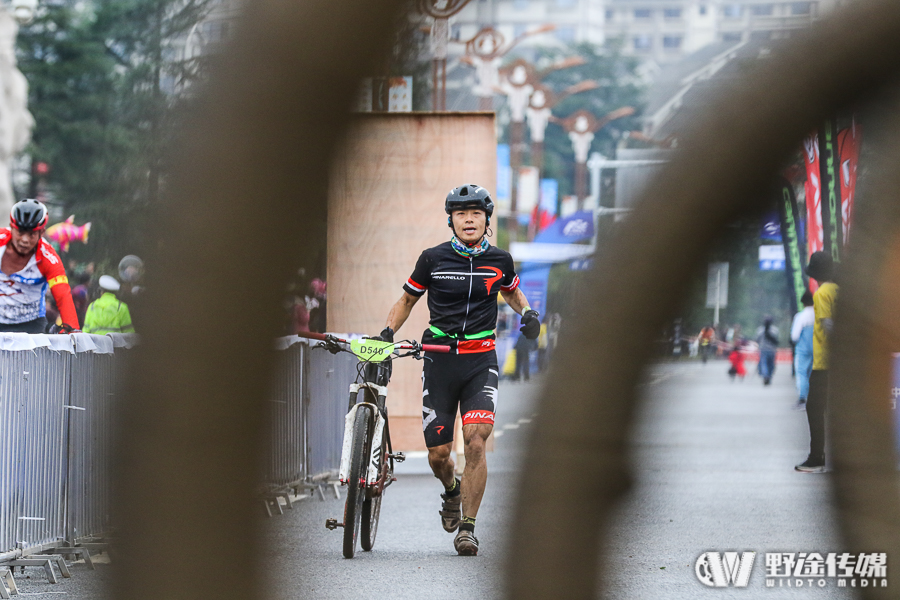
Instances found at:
x=800 y=8
x=762 y=10
x=643 y=42
x=731 y=37
x=672 y=13
x=732 y=11
x=215 y=31
x=566 y=3
x=610 y=14
x=672 y=42
x=566 y=33
x=520 y=4
x=642 y=13
x=761 y=35
x=702 y=9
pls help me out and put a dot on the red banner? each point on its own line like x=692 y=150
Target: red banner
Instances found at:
x=814 y=233
x=848 y=145
x=540 y=220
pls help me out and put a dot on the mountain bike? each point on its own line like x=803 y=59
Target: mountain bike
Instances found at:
x=367 y=458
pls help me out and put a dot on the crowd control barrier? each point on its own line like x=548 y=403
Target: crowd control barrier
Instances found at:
x=57 y=394
x=58 y=400
x=305 y=421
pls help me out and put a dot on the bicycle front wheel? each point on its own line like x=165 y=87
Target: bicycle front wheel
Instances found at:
x=356 y=485
x=371 y=508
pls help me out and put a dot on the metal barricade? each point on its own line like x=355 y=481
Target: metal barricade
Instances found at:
x=42 y=398
x=58 y=399
x=305 y=421
x=285 y=466
x=56 y=422
x=89 y=444
x=327 y=393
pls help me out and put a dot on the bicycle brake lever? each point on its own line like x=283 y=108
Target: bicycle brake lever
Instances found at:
x=329 y=345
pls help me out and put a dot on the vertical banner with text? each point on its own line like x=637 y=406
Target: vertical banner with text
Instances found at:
x=814 y=234
x=848 y=143
x=830 y=168
x=789 y=215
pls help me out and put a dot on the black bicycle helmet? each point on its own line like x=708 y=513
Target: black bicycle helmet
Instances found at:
x=28 y=215
x=470 y=196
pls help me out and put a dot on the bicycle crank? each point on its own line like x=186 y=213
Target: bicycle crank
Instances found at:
x=332 y=524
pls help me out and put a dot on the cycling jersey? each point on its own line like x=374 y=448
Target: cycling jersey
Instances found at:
x=462 y=295
x=22 y=293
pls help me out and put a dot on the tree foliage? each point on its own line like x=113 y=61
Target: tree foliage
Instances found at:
x=105 y=81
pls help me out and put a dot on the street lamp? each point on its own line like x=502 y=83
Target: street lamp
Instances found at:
x=23 y=10
x=440 y=11
x=581 y=126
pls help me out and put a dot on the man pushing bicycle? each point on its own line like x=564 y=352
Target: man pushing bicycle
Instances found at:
x=462 y=278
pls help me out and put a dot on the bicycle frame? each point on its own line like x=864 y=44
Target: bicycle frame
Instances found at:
x=375 y=379
x=372 y=382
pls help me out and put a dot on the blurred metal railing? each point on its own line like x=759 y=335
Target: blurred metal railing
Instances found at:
x=305 y=417
x=58 y=404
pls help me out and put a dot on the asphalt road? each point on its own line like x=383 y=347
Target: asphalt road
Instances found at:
x=713 y=464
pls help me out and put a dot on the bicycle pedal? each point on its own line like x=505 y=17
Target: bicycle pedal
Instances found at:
x=398 y=456
x=332 y=524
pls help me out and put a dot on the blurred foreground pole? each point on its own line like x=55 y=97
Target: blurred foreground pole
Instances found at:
x=577 y=465
x=244 y=209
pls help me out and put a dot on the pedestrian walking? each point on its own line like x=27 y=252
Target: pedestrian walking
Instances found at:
x=767 y=338
x=802 y=336
x=821 y=268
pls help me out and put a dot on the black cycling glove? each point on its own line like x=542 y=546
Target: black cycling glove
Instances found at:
x=387 y=335
x=531 y=324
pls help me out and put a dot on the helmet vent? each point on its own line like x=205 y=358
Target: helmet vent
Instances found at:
x=464 y=191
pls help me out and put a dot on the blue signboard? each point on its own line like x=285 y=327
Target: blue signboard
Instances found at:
x=549 y=195
x=504 y=174
x=771 y=228
x=574 y=228
x=771 y=258
x=582 y=264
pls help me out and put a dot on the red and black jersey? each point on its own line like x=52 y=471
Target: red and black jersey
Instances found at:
x=462 y=294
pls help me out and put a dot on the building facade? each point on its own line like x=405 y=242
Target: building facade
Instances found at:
x=661 y=30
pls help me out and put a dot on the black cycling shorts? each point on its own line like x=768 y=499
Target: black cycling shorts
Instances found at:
x=467 y=382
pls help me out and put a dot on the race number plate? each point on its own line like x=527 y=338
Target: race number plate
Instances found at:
x=371 y=350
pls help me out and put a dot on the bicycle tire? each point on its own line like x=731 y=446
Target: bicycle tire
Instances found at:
x=356 y=489
x=371 y=509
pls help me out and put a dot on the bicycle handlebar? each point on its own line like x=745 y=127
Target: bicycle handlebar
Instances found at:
x=434 y=348
x=322 y=337
x=314 y=336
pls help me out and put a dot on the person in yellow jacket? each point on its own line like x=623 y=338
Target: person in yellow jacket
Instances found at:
x=108 y=314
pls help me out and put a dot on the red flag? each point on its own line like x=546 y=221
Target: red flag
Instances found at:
x=814 y=232
x=848 y=146
x=540 y=220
